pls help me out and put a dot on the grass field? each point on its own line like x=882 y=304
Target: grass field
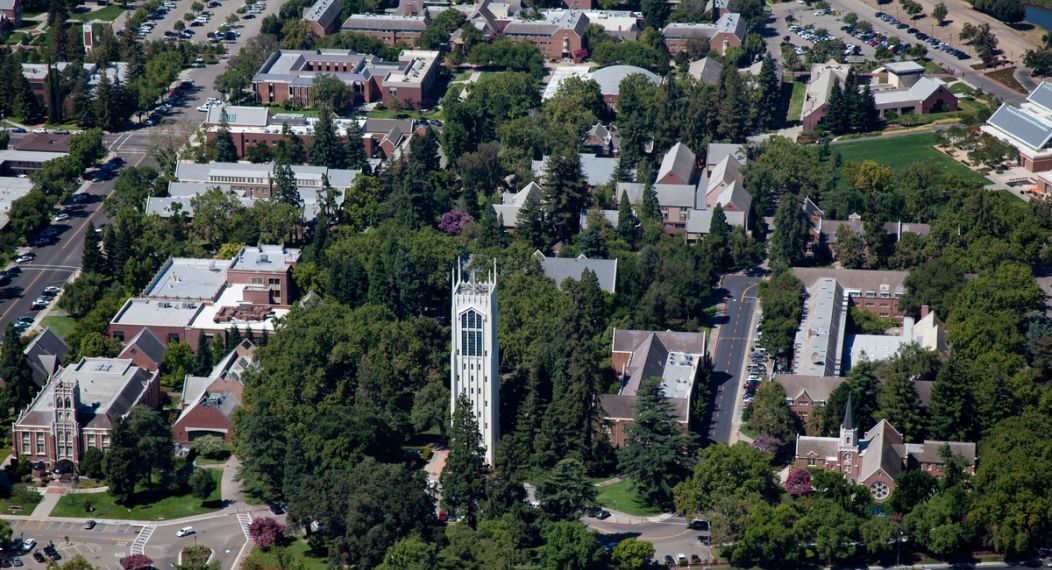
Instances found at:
x=1005 y=76
x=15 y=38
x=796 y=102
x=146 y=505
x=961 y=89
x=622 y=497
x=63 y=326
x=20 y=497
x=106 y=14
x=300 y=553
x=898 y=152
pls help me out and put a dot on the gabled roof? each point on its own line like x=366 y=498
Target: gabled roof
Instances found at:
x=1042 y=96
x=597 y=170
x=882 y=451
x=147 y=344
x=817 y=387
x=706 y=70
x=610 y=78
x=700 y=221
x=561 y=268
x=45 y=353
x=678 y=162
x=668 y=195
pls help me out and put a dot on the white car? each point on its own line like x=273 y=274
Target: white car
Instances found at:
x=203 y=108
x=185 y=531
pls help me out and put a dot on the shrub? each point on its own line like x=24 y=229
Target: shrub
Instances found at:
x=210 y=446
x=136 y=562
x=266 y=531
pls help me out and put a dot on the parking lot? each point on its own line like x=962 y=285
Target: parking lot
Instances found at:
x=103 y=545
x=220 y=10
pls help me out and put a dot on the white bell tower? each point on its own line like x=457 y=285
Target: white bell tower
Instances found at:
x=474 y=357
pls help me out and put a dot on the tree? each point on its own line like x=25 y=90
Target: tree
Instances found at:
x=266 y=531
x=934 y=284
x=19 y=387
x=767 y=101
x=121 y=462
x=152 y=436
x=565 y=195
x=632 y=554
x=330 y=92
x=202 y=484
x=463 y=479
x=656 y=454
x=431 y=408
x=87 y=148
x=725 y=470
x=327 y=149
x=912 y=488
x=570 y=546
x=203 y=356
x=768 y=414
x=284 y=189
x=939 y=12
x=850 y=248
x=210 y=446
x=91 y=464
x=213 y=211
x=223 y=148
x=410 y=553
x=791 y=233
x=899 y=404
x=565 y=492
x=530 y=224
x=626 y=220
x=798 y=483
x=832 y=529
x=136 y=562
x=91 y=259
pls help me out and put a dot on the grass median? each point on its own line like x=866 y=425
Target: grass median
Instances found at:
x=145 y=505
x=622 y=497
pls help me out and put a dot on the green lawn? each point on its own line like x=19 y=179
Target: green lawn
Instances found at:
x=19 y=496
x=898 y=152
x=157 y=505
x=622 y=497
x=961 y=89
x=106 y=14
x=15 y=38
x=404 y=114
x=796 y=102
x=63 y=326
x=300 y=552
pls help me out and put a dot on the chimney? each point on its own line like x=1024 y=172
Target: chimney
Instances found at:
x=924 y=311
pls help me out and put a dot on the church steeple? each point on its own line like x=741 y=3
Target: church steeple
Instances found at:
x=848 y=429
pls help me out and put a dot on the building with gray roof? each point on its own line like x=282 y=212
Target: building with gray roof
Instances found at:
x=558 y=33
x=323 y=17
x=610 y=78
x=208 y=402
x=45 y=354
x=77 y=407
x=1027 y=128
x=597 y=170
x=562 y=268
x=707 y=70
x=819 y=341
x=727 y=32
x=636 y=355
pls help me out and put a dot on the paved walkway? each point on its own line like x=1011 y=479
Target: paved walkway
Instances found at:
x=47 y=504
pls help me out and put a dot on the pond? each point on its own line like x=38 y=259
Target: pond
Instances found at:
x=1039 y=16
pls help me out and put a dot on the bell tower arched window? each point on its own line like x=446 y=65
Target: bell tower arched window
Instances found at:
x=471 y=333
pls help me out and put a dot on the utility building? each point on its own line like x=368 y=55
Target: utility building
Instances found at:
x=474 y=359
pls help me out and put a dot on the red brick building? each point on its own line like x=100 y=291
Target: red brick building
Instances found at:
x=391 y=29
x=323 y=17
x=208 y=402
x=727 y=32
x=76 y=409
x=559 y=34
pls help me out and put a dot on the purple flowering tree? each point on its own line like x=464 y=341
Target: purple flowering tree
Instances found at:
x=798 y=483
x=454 y=221
x=767 y=443
x=266 y=531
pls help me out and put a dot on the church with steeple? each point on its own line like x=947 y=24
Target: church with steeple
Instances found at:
x=875 y=459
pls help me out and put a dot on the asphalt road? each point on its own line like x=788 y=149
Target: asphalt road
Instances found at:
x=731 y=348
x=670 y=537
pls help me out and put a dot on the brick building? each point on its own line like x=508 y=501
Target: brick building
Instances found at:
x=76 y=409
x=208 y=402
x=559 y=33
x=391 y=29
x=290 y=74
x=725 y=33
x=674 y=357
x=875 y=460
x=323 y=17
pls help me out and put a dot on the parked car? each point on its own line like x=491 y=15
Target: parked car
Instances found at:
x=39 y=557
x=28 y=544
x=16 y=562
x=25 y=257
x=88 y=525
x=40 y=303
x=60 y=217
x=52 y=290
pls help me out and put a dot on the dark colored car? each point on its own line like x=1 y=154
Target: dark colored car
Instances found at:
x=669 y=561
x=52 y=553
x=39 y=557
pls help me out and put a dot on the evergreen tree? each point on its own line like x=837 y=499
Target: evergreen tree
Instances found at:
x=868 y=116
x=791 y=233
x=19 y=387
x=565 y=195
x=733 y=106
x=835 y=119
x=92 y=260
x=354 y=151
x=899 y=404
x=667 y=119
x=290 y=149
x=952 y=406
x=531 y=224
x=768 y=96
x=284 y=186
x=203 y=357
x=491 y=231
x=121 y=462
x=649 y=207
x=656 y=455
x=592 y=239
x=103 y=105
x=565 y=493
x=627 y=222
x=327 y=149
x=223 y=146
x=718 y=227
x=464 y=477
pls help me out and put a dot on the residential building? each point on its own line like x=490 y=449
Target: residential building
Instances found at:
x=512 y=202
x=145 y=350
x=208 y=402
x=559 y=33
x=45 y=354
x=805 y=394
x=290 y=74
x=474 y=356
x=76 y=409
x=597 y=170
x=43 y=142
x=908 y=92
x=707 y=70
x=636 y=356
x=819 y=341
x=323 y=17
x=929 y=333
x=12 y=12
x=822 y=243
x=678 y=166
x=391 y=29
x=623 y=25
x=609 y=79
x=816 y=96
x=193 y=298
x=18 y=162
x=36 y=75
x=562 y=268
x=1027 y=128
x=727 y=32
x=602 y=140
x=876 y=459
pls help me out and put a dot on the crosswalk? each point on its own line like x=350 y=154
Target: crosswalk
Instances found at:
x=244 y=519
x=139 y=544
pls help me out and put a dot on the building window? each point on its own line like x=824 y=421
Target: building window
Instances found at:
x=880 y=490
x=811 y=462
x=105 y=441
x=847 y=457
x=257 y=280
x=119 y=335
x=40 y=443
x=26 y=444
x=471 y=333
x=173 y=337
x=274 y=281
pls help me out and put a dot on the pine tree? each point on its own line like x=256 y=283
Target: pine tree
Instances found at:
x=627 y=223
x=899 y=404
x=464 y=477
x=327 y=149
x=667 y=119
x=491 y=231
x=121 y=463
x=223 y=144
x=593 y=238
x=768 y=96
x=649 y=207
x=733 y=106
x=718 y=227
x=565 y=195
x=19 y=387
x=92 y=260
x=791 y=233
x=203 y=357
x=284 y=186
x=835 y=119
x=656 y=454
x=355 y=151
x=952 y=407
x=531 y=225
